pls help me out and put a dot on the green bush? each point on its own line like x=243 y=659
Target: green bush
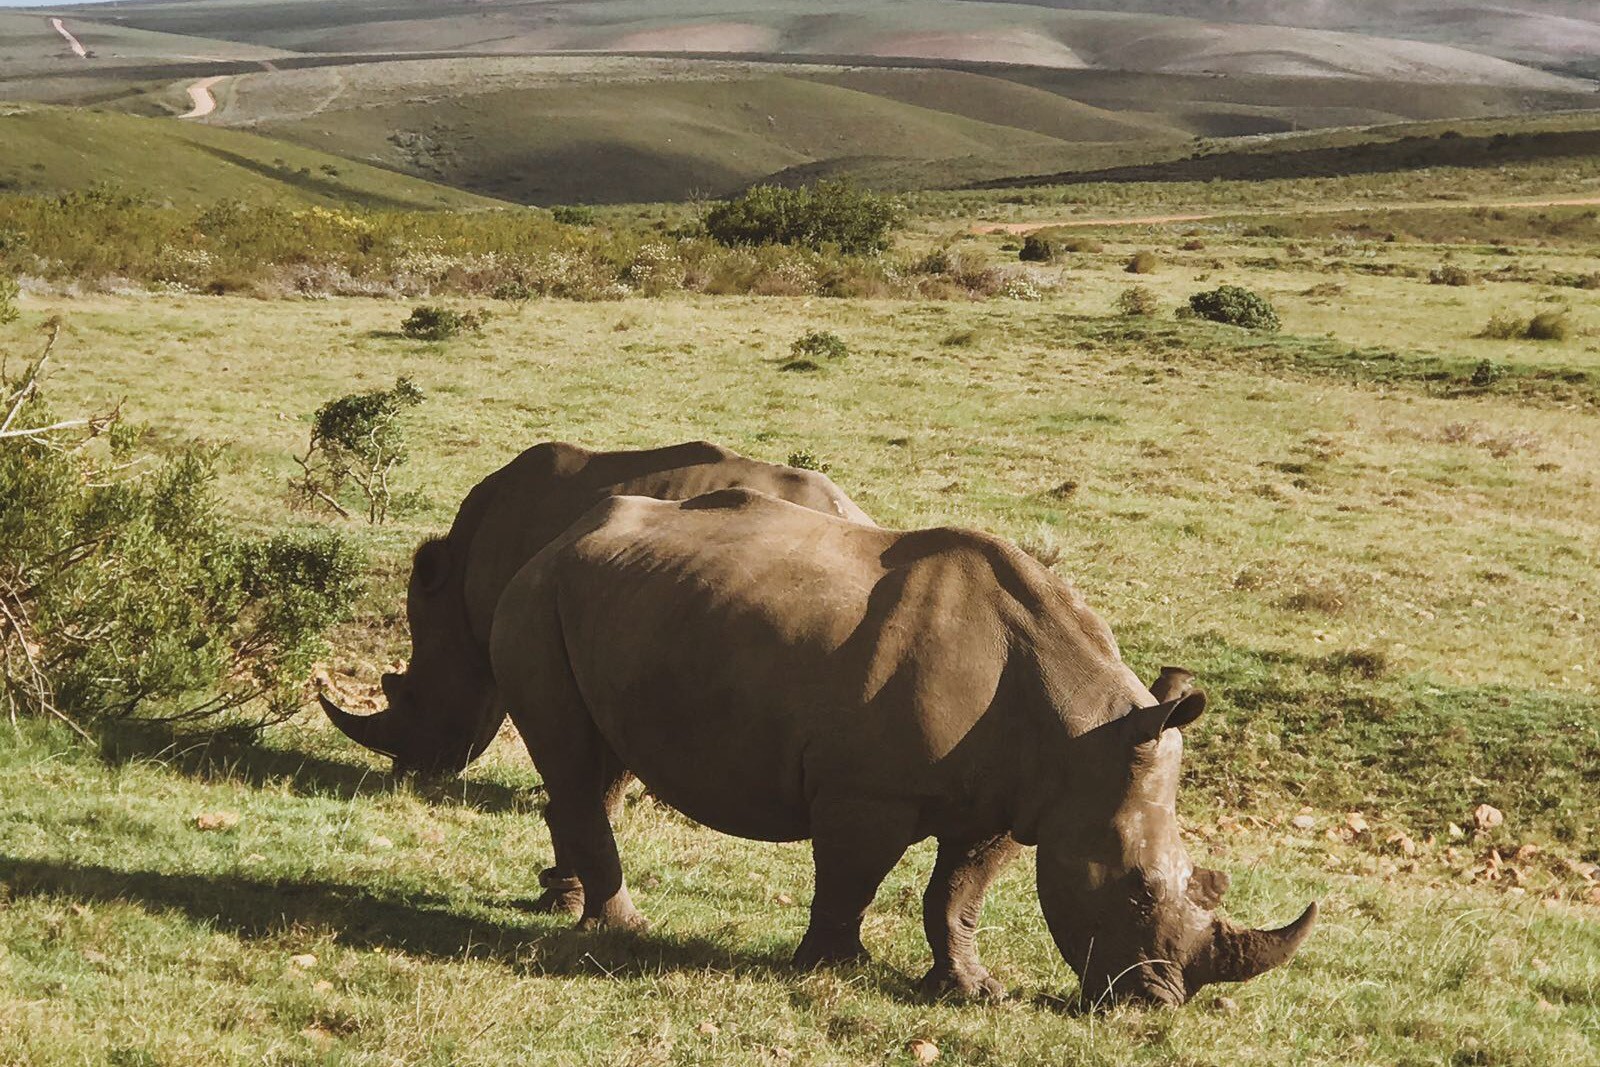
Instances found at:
x=1036 y=249
x=1138 y=301
x=830 y=213
x=429 y=322
x=807 y=460
x=1235 y=306
x=125 y=591
x=1143 y=263
x=573 y=215
x=819 y=344
x=356 y=443
x=1503 y=326
x=1548 y=326
x=1451 y=274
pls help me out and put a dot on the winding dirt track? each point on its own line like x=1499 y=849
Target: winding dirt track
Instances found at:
x=202 y=101
x=77 y=47
x=1021 y=228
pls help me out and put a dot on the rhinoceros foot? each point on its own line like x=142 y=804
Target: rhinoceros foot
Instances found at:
x=819 y=950
x=970 y=982
x=563 y=894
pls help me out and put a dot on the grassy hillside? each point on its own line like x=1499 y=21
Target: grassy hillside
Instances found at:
x=51 y=150
x=614 y=141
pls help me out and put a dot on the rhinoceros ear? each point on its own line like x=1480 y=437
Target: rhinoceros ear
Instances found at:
x=430 y=565
x=1146 y=724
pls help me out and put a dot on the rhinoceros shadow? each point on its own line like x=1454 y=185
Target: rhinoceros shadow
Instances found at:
x=238 y=757
x=418 y=924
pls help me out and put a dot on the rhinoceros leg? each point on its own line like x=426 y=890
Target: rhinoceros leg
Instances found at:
x=585 y=844
x=950 y=911
x=854 y=847
x=563 y=890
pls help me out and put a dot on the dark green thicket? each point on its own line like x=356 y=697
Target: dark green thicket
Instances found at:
x=828 y=214
x=125 y=591
x=1233 y=305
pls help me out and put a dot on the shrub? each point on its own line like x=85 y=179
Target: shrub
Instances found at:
x=1194 y=244
x=124 y=590
x=1485 y=374
x=1036 y=249
x=828 y=213
x=1143 y=263
x=1235 y=306
x=819 y=344
x=356 y=443
x=1548 y=326
x=1503 y=326
x=1451 y=274
x=429 y=322
x=573 y=215
x=807 y=460
x=1138 y=301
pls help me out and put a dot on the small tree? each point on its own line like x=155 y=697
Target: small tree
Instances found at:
x=1138 y=301
x=428 y=322
x=356 y=441
x=124 y=590
x=1036 y=249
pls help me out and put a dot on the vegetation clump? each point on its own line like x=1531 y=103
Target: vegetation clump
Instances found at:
x=1234 y=305
x=827 y=214
x=1451 y=274
x=1553 y=325
x=429 y=322
x=573 y=214
x=1143 y=263
x=1138 y=301
x=356 y=443
x=819 y=344
x=807 y=460
x=1036 y=249
x=125 y=591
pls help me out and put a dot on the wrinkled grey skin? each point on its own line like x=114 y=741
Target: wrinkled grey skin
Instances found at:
x=779 y=674
x=443 y=710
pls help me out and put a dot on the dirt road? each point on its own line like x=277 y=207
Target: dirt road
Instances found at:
x=77 y=47
x=1020 y=228
x=202 y=101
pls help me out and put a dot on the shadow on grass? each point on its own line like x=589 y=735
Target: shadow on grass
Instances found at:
x=421 y=924
x=237 y=757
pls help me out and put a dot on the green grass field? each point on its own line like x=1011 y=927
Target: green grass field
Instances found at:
x=1384 y=572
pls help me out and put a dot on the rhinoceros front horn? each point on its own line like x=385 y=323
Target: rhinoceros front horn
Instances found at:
x=379 y=732
x=1237 y=955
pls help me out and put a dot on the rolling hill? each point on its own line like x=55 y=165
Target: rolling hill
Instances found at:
x=53 y=150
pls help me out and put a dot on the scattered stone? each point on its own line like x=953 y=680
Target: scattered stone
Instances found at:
x=1487 y=817
x=708 y=1027
x=1356 y=822
x=304 y=961
x=1454 y=832
x=1303 y=822
x=96 y=957
x=379 y=841
x=323 y=986
x=1402 y=844
x=216 y=820
x=1226 y=1005
x=922 y=1050
x=785 y=899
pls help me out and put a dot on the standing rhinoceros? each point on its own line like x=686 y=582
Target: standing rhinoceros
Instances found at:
x=779 y=674
x=442 y=711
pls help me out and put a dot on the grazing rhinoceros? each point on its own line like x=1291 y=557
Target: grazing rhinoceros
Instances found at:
x=442 y=711
x=779 y=674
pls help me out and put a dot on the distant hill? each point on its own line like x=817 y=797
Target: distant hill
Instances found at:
x=54 y=150
x=1397 y=40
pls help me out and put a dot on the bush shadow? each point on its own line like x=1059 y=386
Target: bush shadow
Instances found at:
x=237 y=756
x=419 y=924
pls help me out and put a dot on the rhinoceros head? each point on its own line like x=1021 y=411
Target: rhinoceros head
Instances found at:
x=1128 y=910
x=441 y=713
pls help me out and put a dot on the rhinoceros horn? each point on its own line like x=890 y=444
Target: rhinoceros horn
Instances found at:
x=1237 y=955
x=380 y=732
